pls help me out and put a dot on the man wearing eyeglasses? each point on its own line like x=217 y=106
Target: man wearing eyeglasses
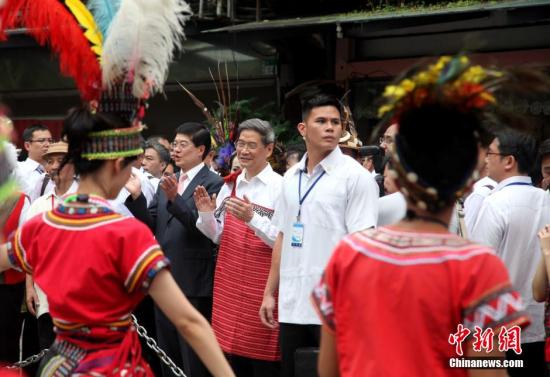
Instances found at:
x=509 y=220
x=387 y=139
x=30 y=173
x=172 y=216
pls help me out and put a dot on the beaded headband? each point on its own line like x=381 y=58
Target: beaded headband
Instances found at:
x=112 y=144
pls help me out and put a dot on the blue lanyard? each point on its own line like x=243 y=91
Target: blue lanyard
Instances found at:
x=518 y=184
x=302 y=198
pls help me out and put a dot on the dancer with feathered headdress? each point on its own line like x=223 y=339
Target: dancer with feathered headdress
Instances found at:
x=96 y=265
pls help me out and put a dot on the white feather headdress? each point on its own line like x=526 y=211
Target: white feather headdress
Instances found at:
x=141 y=42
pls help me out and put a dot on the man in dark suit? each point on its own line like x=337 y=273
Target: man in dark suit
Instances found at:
x=172 y=216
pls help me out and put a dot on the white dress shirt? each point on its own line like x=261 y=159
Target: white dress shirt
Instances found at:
x=344 y=200
x=191 y=173
x=391 y=208
x=264 y=190
x=509 y=221
x=29 y=174
x=473 y=202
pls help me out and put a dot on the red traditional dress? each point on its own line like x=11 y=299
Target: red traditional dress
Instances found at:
x=95 y=267
x=394 y=298
x=241 y=274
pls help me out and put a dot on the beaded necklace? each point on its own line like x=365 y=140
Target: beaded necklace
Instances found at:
x=84 y=204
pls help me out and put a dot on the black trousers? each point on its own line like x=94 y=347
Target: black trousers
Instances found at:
x=11 y=299
x=247 y=367
x=533 y=361
x=293 y=337
x=176 y=347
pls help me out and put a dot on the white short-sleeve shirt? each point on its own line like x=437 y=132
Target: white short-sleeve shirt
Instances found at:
x=509 y=220
x=344 y=200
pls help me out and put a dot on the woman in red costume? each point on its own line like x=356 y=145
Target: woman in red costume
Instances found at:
x=96 y=265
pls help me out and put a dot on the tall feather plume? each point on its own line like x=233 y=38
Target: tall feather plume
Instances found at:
x=104 y=12
x=141 y=43
x=51 y=22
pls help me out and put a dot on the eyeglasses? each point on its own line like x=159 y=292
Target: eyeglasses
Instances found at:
x=180 y=144
x=243 y=144
x=385 y=140
x=42 y=140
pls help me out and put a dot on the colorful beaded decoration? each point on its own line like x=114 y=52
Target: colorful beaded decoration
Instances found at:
x=93 y=205
x=112 y=144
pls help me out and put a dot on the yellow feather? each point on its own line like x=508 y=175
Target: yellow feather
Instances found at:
x=87 y=21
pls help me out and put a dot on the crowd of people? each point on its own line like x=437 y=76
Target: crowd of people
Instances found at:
x=376 y=258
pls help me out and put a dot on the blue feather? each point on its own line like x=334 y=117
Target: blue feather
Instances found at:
x=104 y=12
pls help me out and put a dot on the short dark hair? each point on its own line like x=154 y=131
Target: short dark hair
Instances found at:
x=520 y=145
x=319 y=100
x=544 y=148
x=163 y=153
x=29 y=131
x=199 y=135
x=296 y=149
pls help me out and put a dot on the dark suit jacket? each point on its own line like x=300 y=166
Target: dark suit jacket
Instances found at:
x=193 y=255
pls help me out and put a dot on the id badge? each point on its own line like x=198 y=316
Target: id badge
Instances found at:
x=297 y=239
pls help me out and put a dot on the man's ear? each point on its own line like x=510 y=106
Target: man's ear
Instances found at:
x=201 y=149
x=510 y=163
x=269 y=148
x=27 y=145
x=301 y=128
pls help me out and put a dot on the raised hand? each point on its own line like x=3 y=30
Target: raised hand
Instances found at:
x=134 y=186
x=169 y=184
x=203 y=201
x=241 y=209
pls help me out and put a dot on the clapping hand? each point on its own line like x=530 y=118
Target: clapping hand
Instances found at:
x=203 y=201
x=134 y=186
x=241 y=209
x=169 y=184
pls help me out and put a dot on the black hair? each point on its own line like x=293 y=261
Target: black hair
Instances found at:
x=297 y=149
x=520 y=145
x=199 y=135
x=29 y=131
x=544 y=148
x=164 y=154
x=448 y=139
x=76 y=126
x=319 y=100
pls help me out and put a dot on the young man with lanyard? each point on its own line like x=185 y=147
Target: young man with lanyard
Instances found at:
x=325 y=196
x=242 y=227
x=509 y=221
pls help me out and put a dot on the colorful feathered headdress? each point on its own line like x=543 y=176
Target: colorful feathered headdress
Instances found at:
x=117 y=51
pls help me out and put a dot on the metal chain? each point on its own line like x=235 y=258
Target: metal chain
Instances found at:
x=151 y=343
x=29 y=360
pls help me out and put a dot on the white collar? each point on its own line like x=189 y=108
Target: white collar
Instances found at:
x=262 y=176
x=328 y=164
x=191 y=173
x=516 y=179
